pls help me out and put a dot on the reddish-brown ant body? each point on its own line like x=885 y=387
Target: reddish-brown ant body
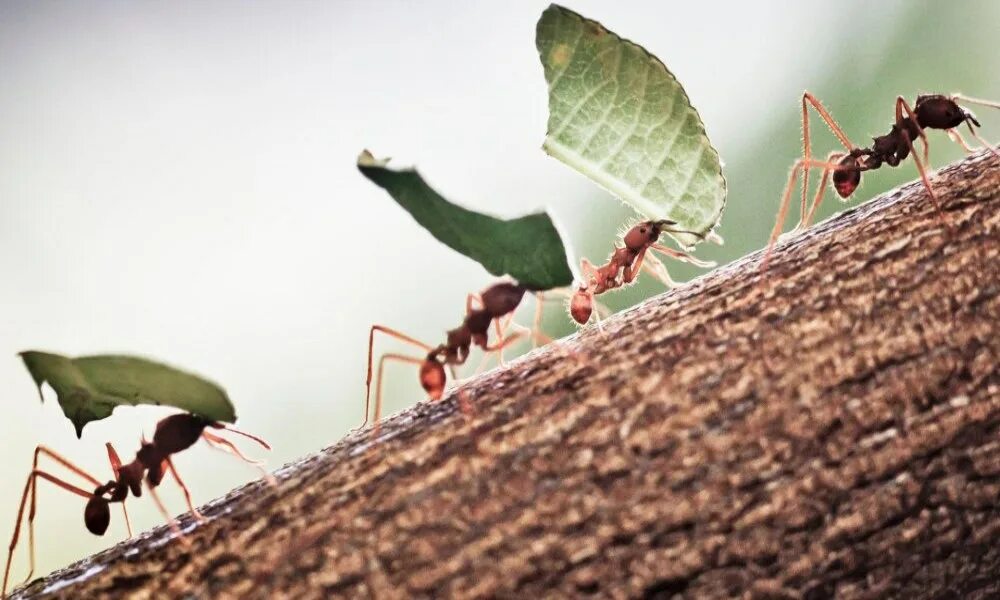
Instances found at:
x=173 y=434
x=497 y=302
x=624 y=264
x=930 y=111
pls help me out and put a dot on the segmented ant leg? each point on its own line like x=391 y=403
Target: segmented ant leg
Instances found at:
x=923 y=172
x=371 y=343
x=901 y=106
x=507 y=342
x=174 y=527
x=807 y=100
x=655 y=267
x=832 y=158
x=223 y=445
x=786 y=196
x=684 y=256
x=982 y=141
x=378 y=385
x=261 y=441
x=187 y=493
x=469 y=299
x=958 y=139
x=978 y=101
x=536 y=322
x=116 y=465
x=500 y=329
x=29 y=485
x=630 y=272
x=45 y=451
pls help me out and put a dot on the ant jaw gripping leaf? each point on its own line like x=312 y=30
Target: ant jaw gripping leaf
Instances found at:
x=529 y=249
x=89 y=388
x=618 y=116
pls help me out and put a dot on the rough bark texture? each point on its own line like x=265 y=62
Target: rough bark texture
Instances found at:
x=832 y=432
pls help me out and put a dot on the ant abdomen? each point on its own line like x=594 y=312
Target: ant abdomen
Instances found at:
x=97 y=515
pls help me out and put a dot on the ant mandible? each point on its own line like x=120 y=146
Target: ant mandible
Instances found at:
x=173 y=434
x=624 y=264
x=930 y=111
x=496 y=302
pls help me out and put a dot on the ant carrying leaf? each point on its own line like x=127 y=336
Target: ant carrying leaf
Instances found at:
x=89 y=388
x=620 y=117
x=528 y=249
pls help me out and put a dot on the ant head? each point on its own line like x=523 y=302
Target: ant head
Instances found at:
x=845 y=181
x=941 y=112
x=581 y=305
x=432 y=377
x=644 y=234
x=97 y=515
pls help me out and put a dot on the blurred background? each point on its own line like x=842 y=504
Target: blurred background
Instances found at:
x=177 y=180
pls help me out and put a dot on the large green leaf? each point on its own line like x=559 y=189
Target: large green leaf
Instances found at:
x=89 y=388
x=617 y=115
x=527 y=248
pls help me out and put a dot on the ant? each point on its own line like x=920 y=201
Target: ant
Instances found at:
x=930 y=111
x=624 y=264
x=173 y=434
x=497 y=302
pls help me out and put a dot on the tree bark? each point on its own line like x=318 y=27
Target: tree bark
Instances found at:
x=829 y=431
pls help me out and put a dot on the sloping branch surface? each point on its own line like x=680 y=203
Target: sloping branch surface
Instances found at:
x=831 y=431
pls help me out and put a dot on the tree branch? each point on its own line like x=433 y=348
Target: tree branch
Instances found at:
x=832 y=430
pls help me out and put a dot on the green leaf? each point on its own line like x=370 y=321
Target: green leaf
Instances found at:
x=89 y=388
x=617 y=115
x=527 y=248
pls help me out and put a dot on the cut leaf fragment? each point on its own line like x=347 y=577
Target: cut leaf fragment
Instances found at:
x=528 y=249
x=618 y=116
x=89 y=388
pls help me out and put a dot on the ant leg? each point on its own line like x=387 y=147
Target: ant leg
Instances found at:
x=923 y=172
x=684 y=256
x=536 y=322
x=632 y=271
x=978 y=101
x=174 y=527
x=184 y=488
x=832 y=158
x=655 y=267
x=786 y=196
x=116 y=465
x=956 y=137
x=371 y=342
x=381 y=370
x=43 y=450
x=902 y=105
x=507 y=342
x=29 y=486
x=982 y=141
x=807 y=100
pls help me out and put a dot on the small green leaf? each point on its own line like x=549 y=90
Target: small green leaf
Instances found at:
x=617 y=115
x=527 y=248
x=89 y=388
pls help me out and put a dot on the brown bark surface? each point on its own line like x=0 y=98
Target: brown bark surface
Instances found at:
x=830 y=433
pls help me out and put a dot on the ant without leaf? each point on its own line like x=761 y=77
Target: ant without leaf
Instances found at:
x=496 y=302
x=624 y=264
x=934 y=111
x=173 y=434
